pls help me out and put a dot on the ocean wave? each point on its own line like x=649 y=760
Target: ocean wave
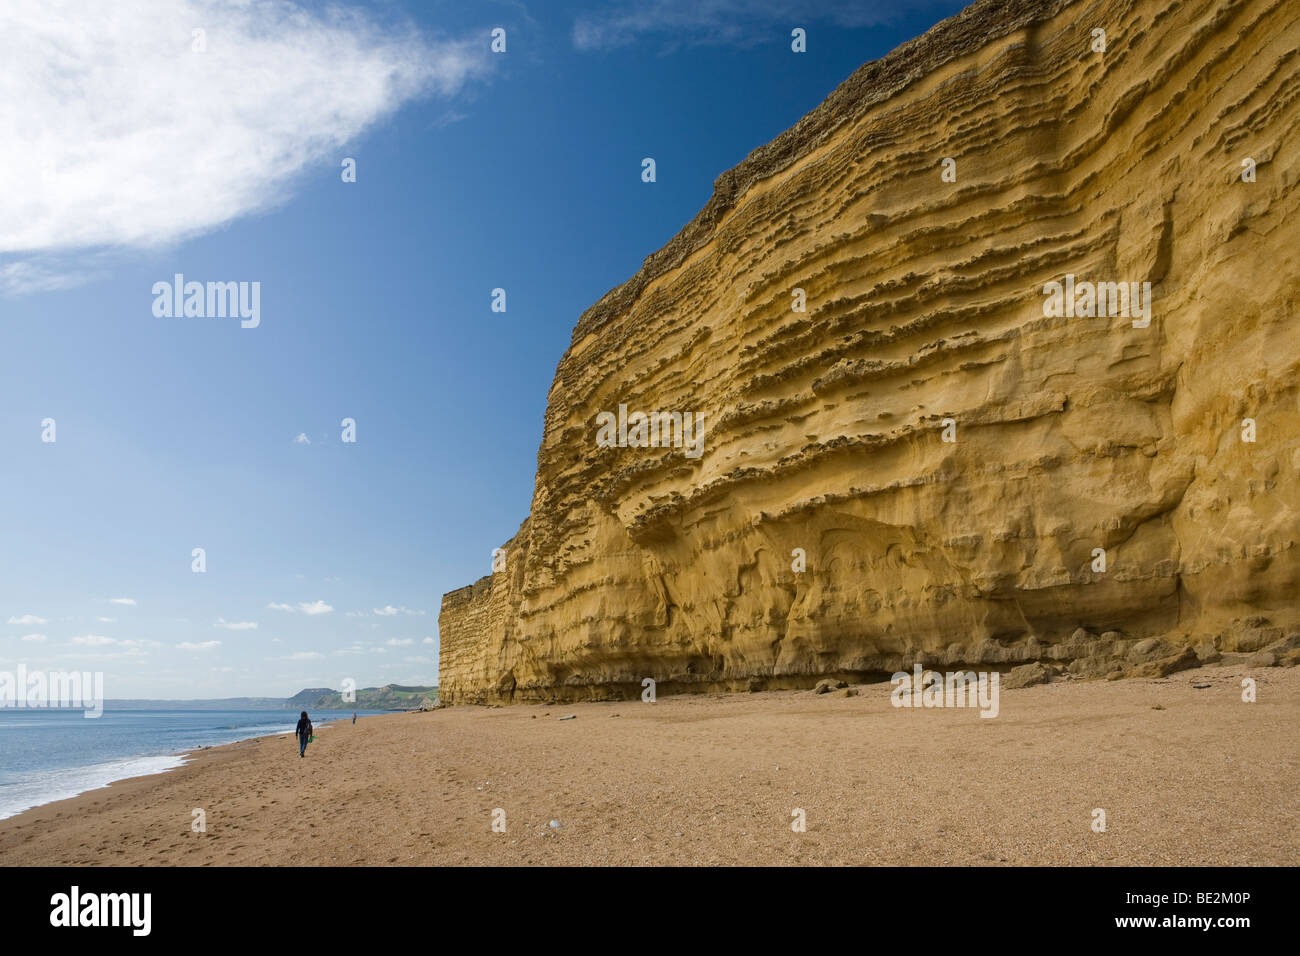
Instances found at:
x=50 y=785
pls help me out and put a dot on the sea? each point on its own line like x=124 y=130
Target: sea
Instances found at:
x=52 y=754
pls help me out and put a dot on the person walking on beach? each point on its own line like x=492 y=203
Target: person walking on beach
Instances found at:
x=303 y=732
x=354 y=717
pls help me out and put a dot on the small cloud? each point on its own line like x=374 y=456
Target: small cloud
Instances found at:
x=302 y=439
x=236 y=625
x=28 y=619
x=399 y=642
x=449 y=117
x=388 y=611
x=200 y=646
x=428 y=640
x=81 y=656
x=34 y=638
x=740 y=23
x=98 y=640
x=106 y=620
x=93 y=640
x=304 y=656
x=129 y=602
x=315 y=607
x=416 y=660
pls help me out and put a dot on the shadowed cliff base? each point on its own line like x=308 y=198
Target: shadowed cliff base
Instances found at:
x=936 y=461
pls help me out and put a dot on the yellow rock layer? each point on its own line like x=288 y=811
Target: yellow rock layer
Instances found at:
x=823 y=430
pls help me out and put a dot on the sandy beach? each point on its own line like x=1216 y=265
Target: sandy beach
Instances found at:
x=1208 y=779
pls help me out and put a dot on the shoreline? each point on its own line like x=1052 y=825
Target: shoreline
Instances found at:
x=1187 y=774
x=177 y=759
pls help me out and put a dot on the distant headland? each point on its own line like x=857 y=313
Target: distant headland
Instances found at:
x=388 y=697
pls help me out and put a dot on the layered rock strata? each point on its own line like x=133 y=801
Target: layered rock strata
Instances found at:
x=934 y=462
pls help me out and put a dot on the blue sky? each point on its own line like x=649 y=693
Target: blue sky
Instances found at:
x=130 y=156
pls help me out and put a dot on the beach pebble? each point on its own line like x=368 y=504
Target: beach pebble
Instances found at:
x=554 y=824
x=568 y=717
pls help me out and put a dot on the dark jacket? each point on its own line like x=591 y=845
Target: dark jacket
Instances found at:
x=304 y=727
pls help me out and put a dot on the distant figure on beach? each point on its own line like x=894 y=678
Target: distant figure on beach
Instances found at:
x=354 y=717
x=303 y=732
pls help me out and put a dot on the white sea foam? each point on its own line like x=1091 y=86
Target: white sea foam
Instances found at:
x=51 y=785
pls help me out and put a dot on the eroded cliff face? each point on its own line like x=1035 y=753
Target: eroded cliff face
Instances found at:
x=825 y=430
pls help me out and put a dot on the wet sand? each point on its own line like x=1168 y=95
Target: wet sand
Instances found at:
x=714 y=780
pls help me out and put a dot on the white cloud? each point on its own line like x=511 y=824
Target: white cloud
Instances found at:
x=129 y=602
x=106 y=620
x=399 y=642
x=416 y=660
x=388 y=611
x=725 y=22
x=302 y=439
x=236 y=625
x=303 y=656
x=82 y=656
x=28 y=619
x=123 y=137
x=25 y=278
x=98 y=640
x=314 y=608
x=34 y=638
x=93 y=640
x=428 y=640
x=200 y=646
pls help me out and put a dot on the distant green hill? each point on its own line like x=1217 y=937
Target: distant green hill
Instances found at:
x=389 y=697
x=307 y=698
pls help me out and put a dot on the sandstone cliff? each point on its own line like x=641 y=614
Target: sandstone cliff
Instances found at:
x=948 y=456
